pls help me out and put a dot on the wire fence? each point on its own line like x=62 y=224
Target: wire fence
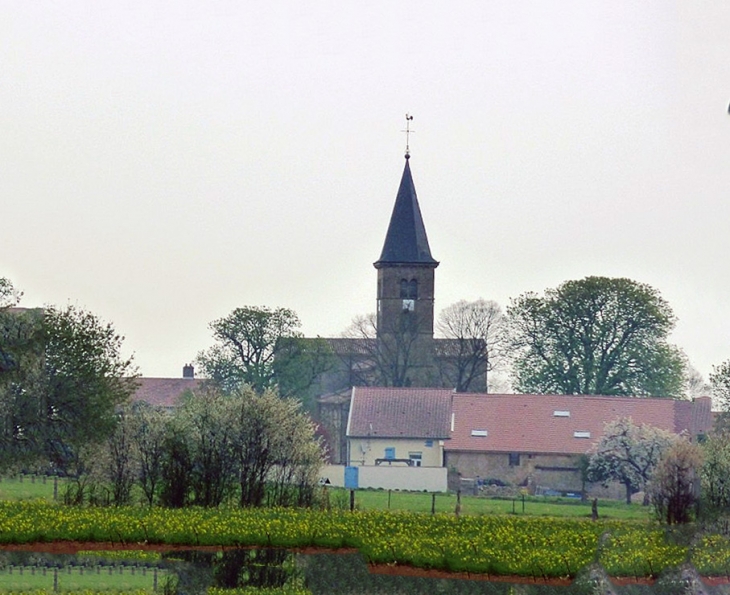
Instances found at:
x=98 y=577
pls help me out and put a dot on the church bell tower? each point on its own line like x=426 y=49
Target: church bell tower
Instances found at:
x=405 y=294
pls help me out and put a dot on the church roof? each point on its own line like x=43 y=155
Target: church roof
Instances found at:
x=406 y=241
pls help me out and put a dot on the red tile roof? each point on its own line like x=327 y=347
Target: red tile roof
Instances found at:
x=400 y=412
x=528 y=423
x=164 y=392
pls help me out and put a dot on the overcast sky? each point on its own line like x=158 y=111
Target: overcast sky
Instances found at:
x=162 y=163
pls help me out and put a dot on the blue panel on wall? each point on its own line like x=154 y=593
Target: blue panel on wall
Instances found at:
x=351 y=478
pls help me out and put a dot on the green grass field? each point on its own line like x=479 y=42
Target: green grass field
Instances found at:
x=13 y=489
x=75 y=581
x=30 y=488
x=471 y=505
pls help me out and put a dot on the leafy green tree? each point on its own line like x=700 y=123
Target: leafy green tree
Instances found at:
x=62 y=377
x=674 y=487
x=264 y=349
x=715 y=473
x=21 y=371
x=20 y=351
x=595 y=336
x=9 y=296
x=85 y=379
x=628 y=453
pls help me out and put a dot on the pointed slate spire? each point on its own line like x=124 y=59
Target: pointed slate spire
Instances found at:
x=406 y=241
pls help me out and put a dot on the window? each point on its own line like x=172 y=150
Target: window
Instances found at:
x=581 y=434
x=429 y=443
x=409 y=289
x=561 y=413
x=409 y=305
x=479 y=433
x=390 y=453
x=514 y=459
x=413 y=289
x=416 y=458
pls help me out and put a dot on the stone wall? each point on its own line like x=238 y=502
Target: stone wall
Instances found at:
x=559 y=472
x=536 y=472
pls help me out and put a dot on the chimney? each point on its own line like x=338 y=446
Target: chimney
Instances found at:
x=188 y=371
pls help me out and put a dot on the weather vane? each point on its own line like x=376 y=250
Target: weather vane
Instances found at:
x=408 y=131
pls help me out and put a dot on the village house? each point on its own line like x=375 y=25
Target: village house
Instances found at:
x=166 y=393
x=536 y=441
x=532 y=441
x=406 y=426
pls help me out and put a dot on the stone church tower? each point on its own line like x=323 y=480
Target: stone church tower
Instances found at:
x=405 y=291
x=403 y=351
x=405 y=267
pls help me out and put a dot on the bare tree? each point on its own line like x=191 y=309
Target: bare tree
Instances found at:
x=388 y=359
x=474 y=334
x=720 y=385
x=694 y=383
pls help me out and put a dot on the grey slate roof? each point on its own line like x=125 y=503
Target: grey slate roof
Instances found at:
x=400 y=413
x=406 y=241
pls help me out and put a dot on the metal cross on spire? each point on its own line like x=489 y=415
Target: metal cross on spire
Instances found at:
x=408 y=131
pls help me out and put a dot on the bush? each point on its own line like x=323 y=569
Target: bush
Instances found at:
x=675 y=486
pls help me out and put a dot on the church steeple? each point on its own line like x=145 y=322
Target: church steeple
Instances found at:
x=406 y=268
x=406 y=241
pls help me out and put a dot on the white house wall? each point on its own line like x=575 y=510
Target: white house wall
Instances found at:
x=365 y=451
x=430 y=479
